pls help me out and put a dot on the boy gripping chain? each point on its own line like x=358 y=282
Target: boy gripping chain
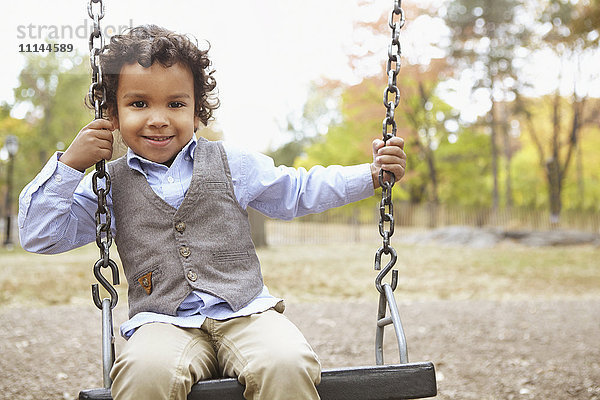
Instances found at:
x=198 y=308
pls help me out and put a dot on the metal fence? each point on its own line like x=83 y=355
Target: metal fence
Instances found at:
x=356 y=225
x=528 y=219
x=359 y=225
x=432 y=216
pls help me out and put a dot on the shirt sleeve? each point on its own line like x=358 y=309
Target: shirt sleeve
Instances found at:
x=57 y=210
x=285 y=192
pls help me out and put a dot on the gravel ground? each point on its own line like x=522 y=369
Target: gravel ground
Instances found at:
x=481 y=349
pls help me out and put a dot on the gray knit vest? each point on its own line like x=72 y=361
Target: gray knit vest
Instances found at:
x=205 y=244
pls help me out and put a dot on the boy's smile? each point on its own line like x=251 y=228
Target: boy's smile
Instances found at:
x=155 y=110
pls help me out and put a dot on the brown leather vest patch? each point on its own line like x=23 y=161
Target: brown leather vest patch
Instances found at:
x=146 y=282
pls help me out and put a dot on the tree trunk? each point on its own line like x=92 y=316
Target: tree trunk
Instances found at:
x=257 y=228
x=494 y=150
x=508 y=158
x=429 y=154
x=432 y=176
x=554 y=190
x=580 y=181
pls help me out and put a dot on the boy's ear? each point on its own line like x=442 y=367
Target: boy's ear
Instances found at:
x=115 y=121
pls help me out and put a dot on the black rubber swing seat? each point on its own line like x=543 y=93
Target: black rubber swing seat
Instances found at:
x=382 y=382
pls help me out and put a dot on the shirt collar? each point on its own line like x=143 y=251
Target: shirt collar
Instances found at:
x=140 y=163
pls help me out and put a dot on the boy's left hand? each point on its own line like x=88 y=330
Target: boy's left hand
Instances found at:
x=390 y=157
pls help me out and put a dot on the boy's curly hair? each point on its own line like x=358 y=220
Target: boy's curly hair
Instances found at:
x=148 y=44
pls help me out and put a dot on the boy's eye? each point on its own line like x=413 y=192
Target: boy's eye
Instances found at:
x=138 y=104
x=176 y=104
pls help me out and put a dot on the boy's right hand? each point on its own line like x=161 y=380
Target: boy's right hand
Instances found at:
x=93 y=143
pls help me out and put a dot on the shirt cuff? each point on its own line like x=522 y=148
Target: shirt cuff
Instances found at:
x=359 y=182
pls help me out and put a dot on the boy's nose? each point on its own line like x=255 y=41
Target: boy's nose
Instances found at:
x=158 y=120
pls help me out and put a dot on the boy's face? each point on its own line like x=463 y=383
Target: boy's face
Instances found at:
x=155 y=108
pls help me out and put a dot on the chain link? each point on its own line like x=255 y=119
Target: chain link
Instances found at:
x=101 y=178
x=386 y=207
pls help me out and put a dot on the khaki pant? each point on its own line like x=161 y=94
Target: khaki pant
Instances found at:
x=265 y=351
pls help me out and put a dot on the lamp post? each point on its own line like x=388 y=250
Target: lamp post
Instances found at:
x=11 y=144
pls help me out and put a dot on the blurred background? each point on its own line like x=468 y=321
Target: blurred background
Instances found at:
x=499 y=99
x=497 y=219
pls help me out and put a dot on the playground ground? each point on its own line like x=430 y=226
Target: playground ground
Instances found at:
x=509 y=322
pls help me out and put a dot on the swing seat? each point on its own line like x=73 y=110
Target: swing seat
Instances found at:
x=382 y=382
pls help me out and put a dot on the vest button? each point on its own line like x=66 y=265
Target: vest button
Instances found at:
x=192 y=276
x=185 y=251
x=180 y=226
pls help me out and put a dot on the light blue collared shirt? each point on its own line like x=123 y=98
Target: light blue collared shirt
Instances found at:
x=57 y=211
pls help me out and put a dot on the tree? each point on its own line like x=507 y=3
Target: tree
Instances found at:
x=305 y=128
x=464 y=169
x=424 y=116
x=421 y=114
x=531 y=181
x=486 y=35
x=347 y=139
x=586 y=21
x=421 y=120
x=568 y=39
x=54 y=86
x=555 y=128
x=23 y=170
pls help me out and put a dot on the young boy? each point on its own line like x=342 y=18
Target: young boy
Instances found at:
x=198 y=307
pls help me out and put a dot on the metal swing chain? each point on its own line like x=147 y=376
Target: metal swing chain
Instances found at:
x=386 y=208
x=97 y=97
